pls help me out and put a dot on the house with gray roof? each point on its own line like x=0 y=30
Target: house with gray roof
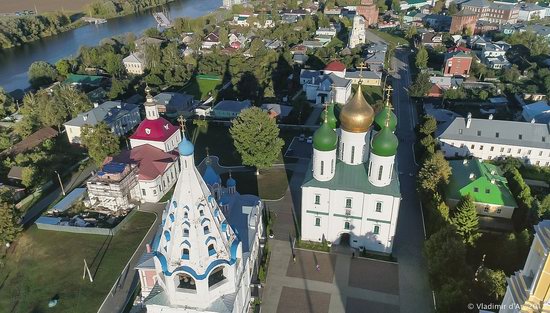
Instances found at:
x=489 y=139
x=121 y=117
x=322 y=88
x=230 y=108
x=174 y=103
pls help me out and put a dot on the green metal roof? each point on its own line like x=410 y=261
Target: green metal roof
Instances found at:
x=325 y=138
x=380 y=118
x=91 y=80
x=385 y=142
x=487 y=184
x=352 y=178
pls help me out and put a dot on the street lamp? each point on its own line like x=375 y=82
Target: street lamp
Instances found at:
x=60 y=183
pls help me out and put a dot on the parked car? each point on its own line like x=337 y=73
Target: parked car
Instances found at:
x=309 y=139
x=302 y=137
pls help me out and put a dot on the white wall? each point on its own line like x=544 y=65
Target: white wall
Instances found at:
x=489 y=151
x=362 y=218
x=154 y=190
x=356 y=141
x=73 y=133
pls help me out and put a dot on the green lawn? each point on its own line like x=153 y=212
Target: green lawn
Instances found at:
x=44 y=264
x=271 y=184
x=201 y=85
x=390 y=38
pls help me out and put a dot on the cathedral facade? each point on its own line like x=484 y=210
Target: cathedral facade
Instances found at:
x=350 y=193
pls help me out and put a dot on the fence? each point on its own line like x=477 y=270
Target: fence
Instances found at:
x=86 y=230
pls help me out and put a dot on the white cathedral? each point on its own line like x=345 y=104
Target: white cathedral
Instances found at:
x=206 y=250
x=350 y=194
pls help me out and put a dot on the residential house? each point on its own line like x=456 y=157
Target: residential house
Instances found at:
x=528 y=289
x=432 y=39
x=408 y=4
x=230 y=108
x=277 y=111
x=174 y=103
x=135 y=63
x=367 y=78
x=414 y=17
x=326 y=31
x=493 y=11
x=300 y=59
x=119 y=116
x=489 y=139
x=530 y=11
x=322 y=88
x=457 y=63
x=494 y=56
x=376 y=56
x=534 y=111
x=211 y=40
x=485 y=183
x=298 y=49
x=314 y=44
x=438 y=22
x=273 y=44
x=114 y=186
x=336 y=12
x=30 y=142
x=464 y=22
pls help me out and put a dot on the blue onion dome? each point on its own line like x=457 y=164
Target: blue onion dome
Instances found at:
x=325 y=138
x=185 y=147
x=210 y=176
x=231 y=182
x=385 y=142
x=225 y=199
x=330 y=116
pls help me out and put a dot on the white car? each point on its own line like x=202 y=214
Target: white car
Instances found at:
x=309 y=139
x=302 y=137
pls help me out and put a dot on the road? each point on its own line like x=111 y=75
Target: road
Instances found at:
x=414 y=289
x=76 y=179
x=123 y=288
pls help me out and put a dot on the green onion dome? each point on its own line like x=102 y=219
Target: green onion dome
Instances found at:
x=325 y=138
x=380 y=119
x=329 y=116
x=385 y=142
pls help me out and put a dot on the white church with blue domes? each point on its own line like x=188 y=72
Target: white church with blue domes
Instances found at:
x=206 y=250
x=350 y=194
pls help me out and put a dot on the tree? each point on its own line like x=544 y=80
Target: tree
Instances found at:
x=421 y=58
x=256 y=138
x=9 y=226
x=396 y=6
x=493 y=283
x=28 y=176
x=100 y=141
x=421 y=85
x=453 y=294
x=434 y=171
x=381 y=4
x=63 y=67
x=6 y=103
x=483 y=95
x=453 y=8
x=543 y=208
x=466 y=221
x=438 y=6
x=444 y=250
x=224 y=36
x=41 y=73
x=429 y=125
x=411 y=32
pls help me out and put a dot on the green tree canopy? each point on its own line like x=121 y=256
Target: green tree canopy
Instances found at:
x=256 y=138
x=466 y=221
x=434 y=172
x=6 y=103
x=9 y=226
x=41 y=73
x=421 y=85
x=100 y=141
x=429 y=125
x=493 y=283
x=421 y=60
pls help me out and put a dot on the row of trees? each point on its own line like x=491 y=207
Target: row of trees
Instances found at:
x=112 y=8
x=453 y=233
x=18 y=30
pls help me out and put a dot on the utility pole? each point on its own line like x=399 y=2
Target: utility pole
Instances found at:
x=60 y=183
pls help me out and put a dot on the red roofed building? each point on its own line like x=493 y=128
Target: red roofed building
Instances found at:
x=336 y=67
x=155 y=130
x=435 y=91
x=157 y=170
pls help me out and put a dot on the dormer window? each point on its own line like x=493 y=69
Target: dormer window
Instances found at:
x=166 y=126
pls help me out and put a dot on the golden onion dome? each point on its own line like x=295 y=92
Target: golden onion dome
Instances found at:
x=357 y=115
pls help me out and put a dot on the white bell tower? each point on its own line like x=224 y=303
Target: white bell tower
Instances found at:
x=151 y=110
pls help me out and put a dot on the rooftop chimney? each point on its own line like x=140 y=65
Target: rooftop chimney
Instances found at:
x=472 y=176
x=469 y=120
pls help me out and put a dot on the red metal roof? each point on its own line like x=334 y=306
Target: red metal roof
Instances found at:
x=154 y=130
x=335 y=66
x=152 y=161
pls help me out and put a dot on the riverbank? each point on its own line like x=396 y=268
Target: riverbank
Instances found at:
x=15 y=31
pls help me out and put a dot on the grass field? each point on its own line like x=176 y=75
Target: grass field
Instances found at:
x=390 y=38
x=46 y=264
x=9 y=6
x=200 y=87
x=271 y=184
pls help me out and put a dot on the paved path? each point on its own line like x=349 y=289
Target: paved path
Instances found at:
x=76 y=179
x=336 y=289
x=123 y=288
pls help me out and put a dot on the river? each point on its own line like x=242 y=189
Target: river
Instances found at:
x=15 y=62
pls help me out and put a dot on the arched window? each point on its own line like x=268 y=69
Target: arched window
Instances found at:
x=370 y=168
x=172 y=218
x=332 y=166
x=185 y=254
x=380 y=172
x=216 y=276
x=201 y=213
x=322 y=167
x=185 y=215
x=185 y=232
x=346 y=225
x=167 y=235
x=206 y=230
x=342 y=152
x=186 y=282
x=352 y=153
x=211 y=250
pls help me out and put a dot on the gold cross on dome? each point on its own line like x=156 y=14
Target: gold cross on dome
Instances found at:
x=361 y=67
x=182 y=121
x=388 y=91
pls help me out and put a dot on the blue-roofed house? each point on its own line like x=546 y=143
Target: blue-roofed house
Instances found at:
x=119 y=116
x=173 y=103
x=230 y=108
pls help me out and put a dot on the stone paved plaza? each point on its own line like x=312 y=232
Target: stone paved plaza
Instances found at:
x=341 y=284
